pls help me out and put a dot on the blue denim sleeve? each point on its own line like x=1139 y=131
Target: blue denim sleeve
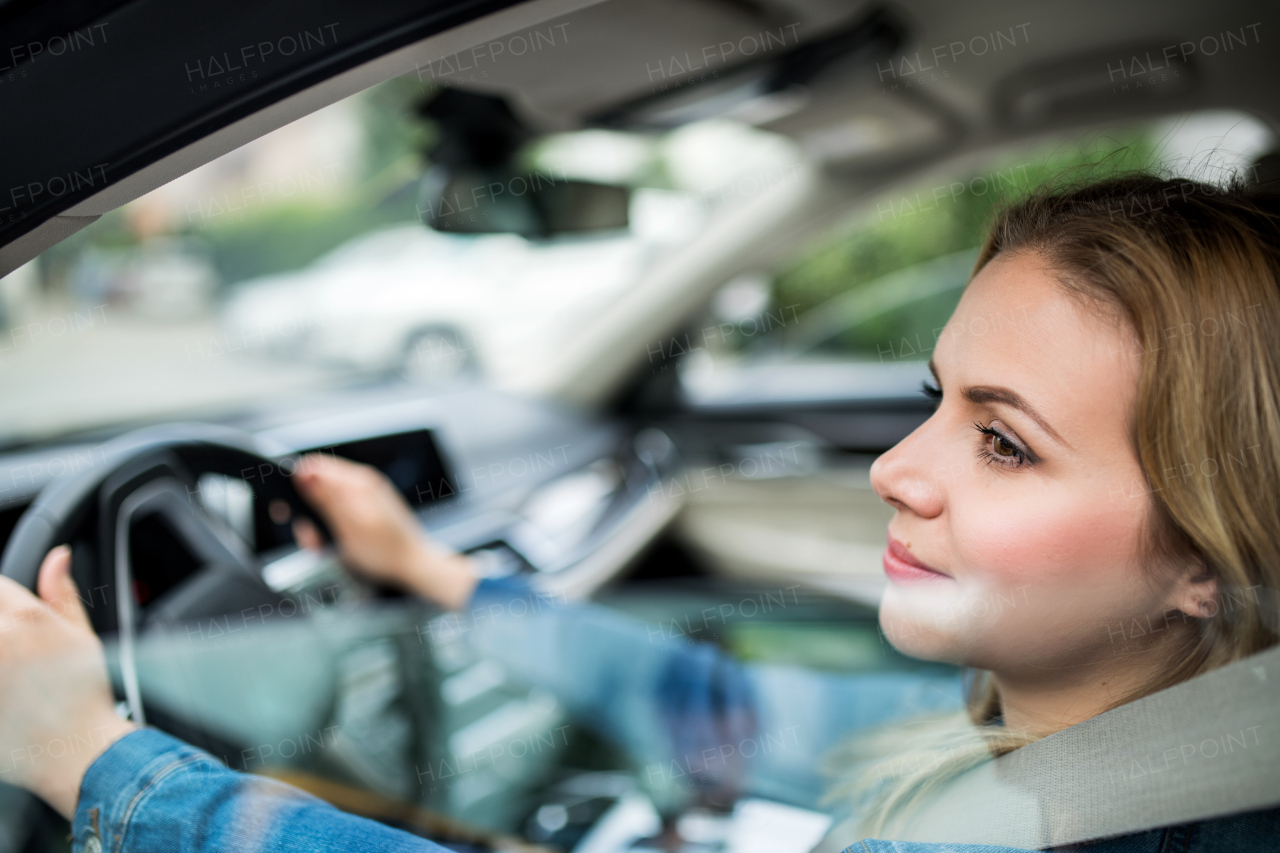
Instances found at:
x=692 y=716
x=151 y=793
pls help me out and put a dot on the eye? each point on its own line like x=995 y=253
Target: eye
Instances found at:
x=1001 y=446
x=1002 y=449
x=933 y=392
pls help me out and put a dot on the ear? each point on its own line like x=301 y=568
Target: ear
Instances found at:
x=1195 y=592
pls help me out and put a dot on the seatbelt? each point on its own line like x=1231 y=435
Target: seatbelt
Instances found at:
x=1205 y=748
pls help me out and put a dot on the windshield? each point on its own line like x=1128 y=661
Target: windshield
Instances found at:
x=301 y=262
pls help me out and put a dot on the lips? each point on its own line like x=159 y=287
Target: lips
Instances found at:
x=902 y=567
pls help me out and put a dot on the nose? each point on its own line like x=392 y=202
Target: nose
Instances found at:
x=909 y=476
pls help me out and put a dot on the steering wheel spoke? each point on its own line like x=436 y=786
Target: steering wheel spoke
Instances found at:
x=226 y=560
x=147 y=493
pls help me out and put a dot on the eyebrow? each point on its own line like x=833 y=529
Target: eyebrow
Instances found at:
x=984 y=394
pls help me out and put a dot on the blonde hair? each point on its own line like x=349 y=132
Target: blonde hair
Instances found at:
x=1193 y=270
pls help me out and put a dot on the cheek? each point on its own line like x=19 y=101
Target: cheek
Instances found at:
x=1041 y=574
x=1043 y=577
x=1049 y=537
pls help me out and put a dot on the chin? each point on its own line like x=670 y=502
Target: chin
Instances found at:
x=919 y=631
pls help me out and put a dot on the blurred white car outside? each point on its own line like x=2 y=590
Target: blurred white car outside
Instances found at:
x=435 y=306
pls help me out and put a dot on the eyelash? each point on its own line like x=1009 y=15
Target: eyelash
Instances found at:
x=1022 y=456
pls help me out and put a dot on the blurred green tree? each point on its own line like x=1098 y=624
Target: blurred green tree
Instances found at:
x=907 y=227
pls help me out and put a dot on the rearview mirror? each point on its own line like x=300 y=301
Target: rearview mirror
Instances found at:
x=473 y=200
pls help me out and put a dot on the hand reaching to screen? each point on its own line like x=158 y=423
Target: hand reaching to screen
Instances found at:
x=376 y=533
x=57 y=713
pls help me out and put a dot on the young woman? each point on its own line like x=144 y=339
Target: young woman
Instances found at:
x=1105 y=453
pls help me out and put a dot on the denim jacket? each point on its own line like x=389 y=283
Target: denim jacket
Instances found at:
x=686 y=711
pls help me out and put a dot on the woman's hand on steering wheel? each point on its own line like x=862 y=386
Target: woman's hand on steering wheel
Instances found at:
x=376 y=533
x=57 y=712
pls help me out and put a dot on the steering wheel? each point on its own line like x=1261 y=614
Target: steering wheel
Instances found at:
x=147 y=476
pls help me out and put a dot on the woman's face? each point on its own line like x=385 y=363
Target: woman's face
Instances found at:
x=1022 y=491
